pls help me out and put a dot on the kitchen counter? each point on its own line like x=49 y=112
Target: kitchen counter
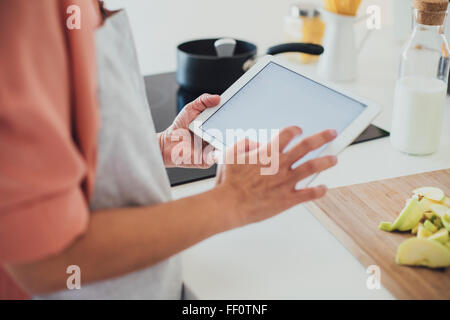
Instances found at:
x=292 y=256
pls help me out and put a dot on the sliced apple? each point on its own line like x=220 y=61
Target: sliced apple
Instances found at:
x=427 y=203
x=415 y=229
x=444 y=213
x=423 y=252
x=431 y=193
x=446 y=221
x=423 y=233
x=440 y=236
x=437 y=221
x=428 y=214
x=409 y=217
x=429 y=226
x=446 y=201
x=385 y=226
x=440 y=209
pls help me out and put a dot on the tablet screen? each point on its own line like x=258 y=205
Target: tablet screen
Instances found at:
x=276 y=98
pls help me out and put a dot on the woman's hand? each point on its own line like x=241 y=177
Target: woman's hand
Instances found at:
x=257 y=197
x=177 y=142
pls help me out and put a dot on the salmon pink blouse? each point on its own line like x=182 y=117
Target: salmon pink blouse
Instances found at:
x=48 y=129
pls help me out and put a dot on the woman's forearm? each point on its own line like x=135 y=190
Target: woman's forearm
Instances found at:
x=120 y=241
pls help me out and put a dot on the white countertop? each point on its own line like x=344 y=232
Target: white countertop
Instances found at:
x=292 y=256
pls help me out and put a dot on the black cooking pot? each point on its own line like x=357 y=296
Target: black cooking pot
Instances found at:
x=200 y=69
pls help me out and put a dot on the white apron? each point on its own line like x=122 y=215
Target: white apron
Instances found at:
x=130 y=170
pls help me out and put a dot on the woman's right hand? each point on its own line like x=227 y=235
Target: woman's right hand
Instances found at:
x=255 y=196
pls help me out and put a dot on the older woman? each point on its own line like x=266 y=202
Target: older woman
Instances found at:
x=82 y=178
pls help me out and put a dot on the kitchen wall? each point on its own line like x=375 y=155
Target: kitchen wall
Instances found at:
x=159 y=25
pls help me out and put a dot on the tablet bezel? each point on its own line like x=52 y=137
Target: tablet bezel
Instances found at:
x=344 y=139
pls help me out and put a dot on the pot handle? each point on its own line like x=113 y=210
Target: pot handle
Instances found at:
x=308 y=48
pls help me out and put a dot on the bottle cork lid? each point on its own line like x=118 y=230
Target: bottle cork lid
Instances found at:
x=431 y=12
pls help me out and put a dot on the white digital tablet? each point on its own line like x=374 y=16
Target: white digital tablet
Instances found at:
x=274 y=95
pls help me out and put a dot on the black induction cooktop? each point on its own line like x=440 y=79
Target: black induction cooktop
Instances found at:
x=166 y=99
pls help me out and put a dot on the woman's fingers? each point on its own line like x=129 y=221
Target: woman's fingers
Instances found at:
x=284 y=137
x=312 y=167
x=309 y=144
x=206 y=100
x=251 y=145
x=193 y=109
x=310 y=194
x=209 y=100
x=239 y=152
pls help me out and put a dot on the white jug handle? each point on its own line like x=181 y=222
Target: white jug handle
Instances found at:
x=362 y=42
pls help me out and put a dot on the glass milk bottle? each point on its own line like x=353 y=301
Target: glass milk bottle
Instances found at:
x=420 y=91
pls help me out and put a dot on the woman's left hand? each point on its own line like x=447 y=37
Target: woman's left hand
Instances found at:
x=177 y=143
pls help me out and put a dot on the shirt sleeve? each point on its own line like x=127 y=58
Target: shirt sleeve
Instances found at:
x=42 y=204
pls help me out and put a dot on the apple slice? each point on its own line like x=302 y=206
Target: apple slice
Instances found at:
x=440 y=236
x=437 y=221
x=431 y=193
x=446 y=221
x=423 y=233
x=427 y=203
x=409 y=217
x=446 y=201
x=423 y=252
x=440 y=210
x=385 y=226
x=416 y=228
x=429 y=226
x=443 y=213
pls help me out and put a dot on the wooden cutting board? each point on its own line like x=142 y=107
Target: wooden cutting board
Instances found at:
x=352 y=214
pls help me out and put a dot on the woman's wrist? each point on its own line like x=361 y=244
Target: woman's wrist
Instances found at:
x=227 y=205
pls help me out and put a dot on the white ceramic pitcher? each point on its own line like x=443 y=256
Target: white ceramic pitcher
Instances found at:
x=339 y=60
